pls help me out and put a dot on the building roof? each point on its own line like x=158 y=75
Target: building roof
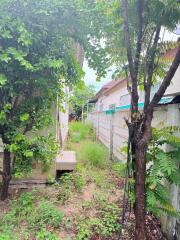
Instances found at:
x=108 y=86
x=170 y=54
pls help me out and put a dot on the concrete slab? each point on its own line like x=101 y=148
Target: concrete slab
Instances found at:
x=66 y=160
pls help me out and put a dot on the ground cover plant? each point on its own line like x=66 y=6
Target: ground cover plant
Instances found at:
x=29 y=218
x=83 y=204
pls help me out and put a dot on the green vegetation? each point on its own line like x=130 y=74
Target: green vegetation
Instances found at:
x=162 y=171
x=120 y=169
x=105 y=224
x=86 y=203
x=78 y=100
x=79 y=131
x=30 y=218
x=81 y=205
x=69 y=183
x=95 y=154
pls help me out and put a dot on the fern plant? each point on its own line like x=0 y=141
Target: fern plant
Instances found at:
x=162 y=170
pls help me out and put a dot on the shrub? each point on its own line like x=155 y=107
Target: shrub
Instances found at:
x=95 y=154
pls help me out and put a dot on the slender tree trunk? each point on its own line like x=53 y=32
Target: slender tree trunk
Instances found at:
x=140 y=201
x=6 y=175
x=82 y=114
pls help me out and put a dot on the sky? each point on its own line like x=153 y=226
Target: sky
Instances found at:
x=90 y=75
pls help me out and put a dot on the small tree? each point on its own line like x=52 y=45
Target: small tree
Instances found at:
x=79 y=99
x=131 y=35
x=37 y=57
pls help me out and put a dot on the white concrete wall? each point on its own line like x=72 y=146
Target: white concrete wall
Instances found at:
x=167 y=115
x=174 y=87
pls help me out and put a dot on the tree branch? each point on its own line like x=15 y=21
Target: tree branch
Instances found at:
x=140 y=6
x=127 y=40
x=148 y=84
x=167 y=80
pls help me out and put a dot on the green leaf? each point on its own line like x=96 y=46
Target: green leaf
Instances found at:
x=24 y=117
x=28 y=154
x=3 y=80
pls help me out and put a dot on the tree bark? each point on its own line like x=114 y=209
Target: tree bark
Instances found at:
x=82 y=114
x=140 y=200
x=6 y=174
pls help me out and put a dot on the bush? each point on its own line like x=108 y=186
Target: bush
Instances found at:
x=95 y=154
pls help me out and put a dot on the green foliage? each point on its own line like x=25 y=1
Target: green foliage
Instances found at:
x=162 y=170
x=79 y=131
x=41 y=149
x=44 y=234
x=36 y=62
x=78 y=100
x=95 y=154
x=119 y=168
x=68 y=183
x=38 y=218
x=104 y=225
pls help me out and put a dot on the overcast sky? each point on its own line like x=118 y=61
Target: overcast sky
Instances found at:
x=90 y=75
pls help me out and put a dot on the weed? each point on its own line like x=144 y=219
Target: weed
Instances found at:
x=44 y=234
x=104 y=224
x=79 y=131
x=47 y=216
x=95 y=154
x=68 y=183
x=34 y=217
x=119 y=168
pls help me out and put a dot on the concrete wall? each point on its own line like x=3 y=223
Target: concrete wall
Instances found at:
x=112 y=131
x=59 y=129
x=174 y=87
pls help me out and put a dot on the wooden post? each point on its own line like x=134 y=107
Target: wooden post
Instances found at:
x=97 y=130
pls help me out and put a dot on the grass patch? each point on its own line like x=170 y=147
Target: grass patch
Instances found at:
x=95 y=154
x=119 y=168
x=79 y=131
x=29 y=218
x=104 y=224
x=69 y=183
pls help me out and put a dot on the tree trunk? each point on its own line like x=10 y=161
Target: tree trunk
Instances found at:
x=82 y=114
x=140 y=201
x=6 y=175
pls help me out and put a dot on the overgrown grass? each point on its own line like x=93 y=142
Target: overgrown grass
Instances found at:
x=79 y=131
x=89 y=193
x=30 y=219
x=95 y=154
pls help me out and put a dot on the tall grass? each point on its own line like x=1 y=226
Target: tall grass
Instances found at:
x=95 y=154
x=79 y=131
x=88 y=151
